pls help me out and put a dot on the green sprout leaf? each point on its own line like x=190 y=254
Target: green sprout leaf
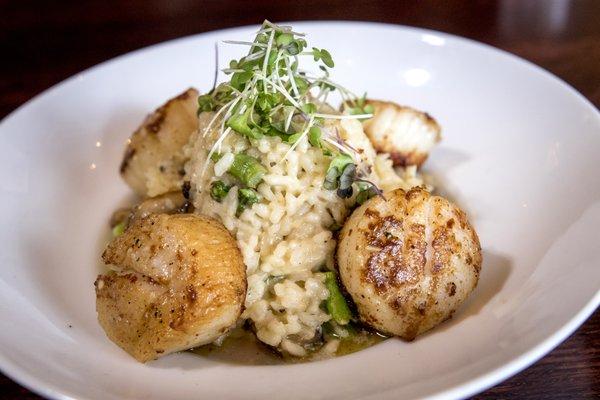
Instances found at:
x=293 y=138
x=267 y=94
x=335 y=170
x=240 y=124
x=314 y=137
x=364 y=194
x=339 y=162
x=324 y=56
x=205 y=103
x=309 y=108
x=239 y=79
x=284 y=39
x=346 y=180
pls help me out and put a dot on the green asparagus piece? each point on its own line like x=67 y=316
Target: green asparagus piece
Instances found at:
x=218 y=190
x=247 y=169
x=336 y=303
x=246 y=198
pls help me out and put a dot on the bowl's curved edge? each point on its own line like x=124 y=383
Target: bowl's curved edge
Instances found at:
x=469 y=388
x=492 y=378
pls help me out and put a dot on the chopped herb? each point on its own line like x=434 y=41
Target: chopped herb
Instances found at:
x=119 y=228
x=219 y=190
x=342 y=175
x=345 y=193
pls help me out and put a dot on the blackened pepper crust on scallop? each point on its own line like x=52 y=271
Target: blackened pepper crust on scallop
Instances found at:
x=408 y=261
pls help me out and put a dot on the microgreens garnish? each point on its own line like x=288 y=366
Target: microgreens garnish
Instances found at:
x=365 y=192
x=336 y=169
x=360 y=107
x=268 y=95
x=324 y=56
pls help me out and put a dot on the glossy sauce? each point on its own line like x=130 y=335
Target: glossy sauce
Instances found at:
x=242 y=347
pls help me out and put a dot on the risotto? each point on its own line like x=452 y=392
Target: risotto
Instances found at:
x=288 y=237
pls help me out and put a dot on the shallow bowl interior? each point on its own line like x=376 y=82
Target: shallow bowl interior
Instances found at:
x=519 y=154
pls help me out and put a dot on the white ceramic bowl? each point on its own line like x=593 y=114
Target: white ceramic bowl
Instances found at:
x=519 y=154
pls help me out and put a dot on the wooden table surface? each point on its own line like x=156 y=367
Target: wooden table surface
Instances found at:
x=45 y=42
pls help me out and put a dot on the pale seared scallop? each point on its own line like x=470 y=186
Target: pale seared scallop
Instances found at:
x=168 y=203
x=408 y=135
x=408 y=261
x=154 y=159
x=178 y=282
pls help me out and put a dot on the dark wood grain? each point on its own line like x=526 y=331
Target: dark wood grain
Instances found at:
x=45 y=42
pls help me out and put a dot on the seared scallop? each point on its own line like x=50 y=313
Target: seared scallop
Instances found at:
x=408 y=135
x=154 y=159
x=178 y=282
x=168 y=203
x=408 y=261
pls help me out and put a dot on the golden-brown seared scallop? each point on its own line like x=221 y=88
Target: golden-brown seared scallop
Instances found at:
x=409 y=261
x=154 y=159
x=168 y=203
x=408 y=135
x=181 y=283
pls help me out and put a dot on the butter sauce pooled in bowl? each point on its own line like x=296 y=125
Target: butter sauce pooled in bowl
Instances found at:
x=270 y=164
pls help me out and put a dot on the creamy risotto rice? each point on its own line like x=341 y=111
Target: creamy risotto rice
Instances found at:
x=288 y=238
